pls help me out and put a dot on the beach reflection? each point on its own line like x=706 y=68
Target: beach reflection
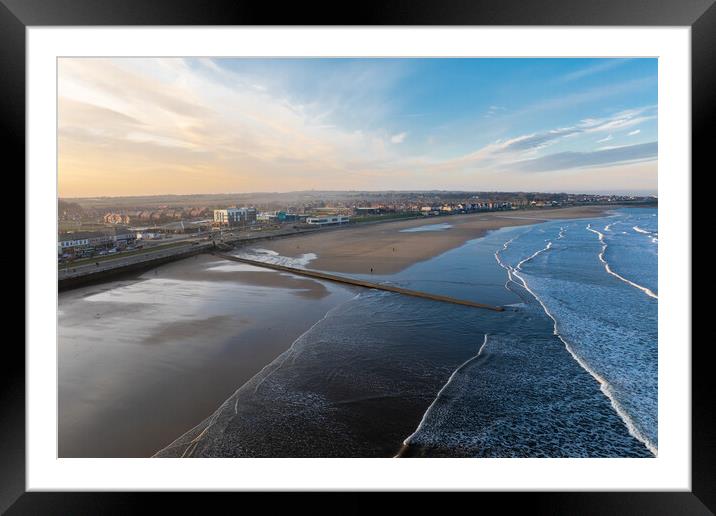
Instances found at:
x=143 y=360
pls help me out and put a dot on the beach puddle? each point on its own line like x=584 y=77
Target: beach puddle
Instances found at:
x=429 y=227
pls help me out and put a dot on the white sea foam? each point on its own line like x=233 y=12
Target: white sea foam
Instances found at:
x=653 y=235
x=604 y=386
x=640 y=230
x=646 y=291
x=532 y=256
x=269 y=256
x=506 y=267
x=437 y=397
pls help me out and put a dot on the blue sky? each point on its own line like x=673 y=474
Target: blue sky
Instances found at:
x=286 y=124
x=463 y=103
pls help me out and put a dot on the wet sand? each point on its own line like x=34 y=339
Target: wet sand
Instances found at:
x=387 y=248
x=143 y=360
x=260 y=277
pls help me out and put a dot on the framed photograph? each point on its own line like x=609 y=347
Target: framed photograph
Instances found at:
x=436 y=250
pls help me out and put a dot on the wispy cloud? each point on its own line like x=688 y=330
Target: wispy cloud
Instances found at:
x=494 y=110
x=568 y=102
x=634 y=132
x=620 y=120
x=571 y=160
x=527 y=152
x=118 y=117
x=398 y=138
x=606 y=65
x=537 y=141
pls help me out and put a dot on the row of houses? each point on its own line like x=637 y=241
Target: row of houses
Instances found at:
x=433 y=209
x=115 y=218
x=466 y=207
x=162 y=214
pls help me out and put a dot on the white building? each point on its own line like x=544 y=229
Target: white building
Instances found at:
x=324 y=221
x=235 y=216
x=148 y=235
x=66 y=245
x=81 y=240
x=227 y=217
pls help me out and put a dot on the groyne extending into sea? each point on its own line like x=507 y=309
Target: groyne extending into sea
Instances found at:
x=359 y=283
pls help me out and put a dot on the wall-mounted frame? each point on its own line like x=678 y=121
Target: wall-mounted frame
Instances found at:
x=18 y=16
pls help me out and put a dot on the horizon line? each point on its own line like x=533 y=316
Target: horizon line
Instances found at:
x=643 y=193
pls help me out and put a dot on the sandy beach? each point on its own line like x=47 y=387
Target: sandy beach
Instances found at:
x=143 y=360
x=387 y=248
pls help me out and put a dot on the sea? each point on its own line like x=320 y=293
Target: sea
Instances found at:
x=569 y=369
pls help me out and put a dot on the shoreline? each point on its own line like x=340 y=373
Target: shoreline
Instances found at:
x=190 y=332
x=386 y=248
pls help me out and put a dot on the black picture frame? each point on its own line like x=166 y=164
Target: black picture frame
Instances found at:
x=700 y=15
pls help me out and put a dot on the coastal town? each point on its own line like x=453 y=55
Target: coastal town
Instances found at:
x=102 y=229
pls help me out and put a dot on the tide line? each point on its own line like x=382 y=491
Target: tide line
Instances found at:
x=646 y=291
x=406 y=442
